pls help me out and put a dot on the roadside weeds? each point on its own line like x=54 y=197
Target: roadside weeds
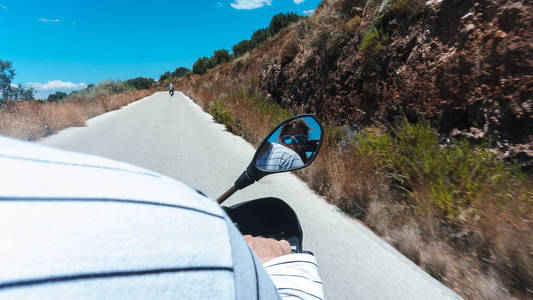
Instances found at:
x=32 y=120
x=473 y=233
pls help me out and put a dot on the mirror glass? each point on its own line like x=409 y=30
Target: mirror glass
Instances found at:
x=293 y=145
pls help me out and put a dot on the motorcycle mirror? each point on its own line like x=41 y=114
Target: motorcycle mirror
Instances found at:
x=294 y=144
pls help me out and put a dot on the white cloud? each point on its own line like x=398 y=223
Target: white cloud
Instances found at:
x=56 y=85
x=45 y=89
x=13 y=85
x=309 y=12
x=298 y=1
x=45 y=20
x=3 y=6
x=250 y=4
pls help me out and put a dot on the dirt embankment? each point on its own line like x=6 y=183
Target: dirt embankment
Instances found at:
x=467 y=66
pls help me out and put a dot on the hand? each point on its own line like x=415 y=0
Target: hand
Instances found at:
x=267 y=249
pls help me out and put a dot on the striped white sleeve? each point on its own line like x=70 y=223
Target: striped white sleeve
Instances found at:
x=296 y=276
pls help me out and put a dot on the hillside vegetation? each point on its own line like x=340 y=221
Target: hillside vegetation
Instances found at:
x=203 y=64
x=428 y=110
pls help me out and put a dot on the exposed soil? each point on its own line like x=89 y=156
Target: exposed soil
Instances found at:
x=466 y=66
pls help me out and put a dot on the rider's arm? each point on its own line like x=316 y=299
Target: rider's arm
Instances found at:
x=294 y=275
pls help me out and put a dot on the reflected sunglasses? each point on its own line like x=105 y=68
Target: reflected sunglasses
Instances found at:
x=298 y=139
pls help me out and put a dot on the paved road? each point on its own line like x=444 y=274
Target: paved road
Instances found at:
x=174 y=137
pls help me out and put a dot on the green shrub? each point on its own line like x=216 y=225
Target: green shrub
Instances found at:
x=272 y=110
x=452 y=179
x=181 y=71
x=374 y=42
x=9 y=91
x=140 y=83
x=18 y=92
x=200 y=65
x=165 y=76
x=258 y=37
x=332 y=135
x=277 y=23
x=57 y=96
x=353 y=24
x=211 y=62
x=281 y=21
x=109 y=87
x=7 y=73
x=221 y=56
x=220 y=114
x=114 y=87
x=242 y=47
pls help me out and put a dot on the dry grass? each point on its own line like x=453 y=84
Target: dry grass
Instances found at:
x=247 y=119
x=487 y=287
x=31 y=120
x=481 y=256
x=459 y=269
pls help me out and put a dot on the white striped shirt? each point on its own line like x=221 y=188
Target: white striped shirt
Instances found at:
x=296 y=276
x=279 y=157
x=77 y=226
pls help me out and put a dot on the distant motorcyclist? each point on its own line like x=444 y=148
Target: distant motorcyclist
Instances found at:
x=171 y=89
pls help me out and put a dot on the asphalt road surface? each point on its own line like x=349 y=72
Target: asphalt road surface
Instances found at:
x=174 y=137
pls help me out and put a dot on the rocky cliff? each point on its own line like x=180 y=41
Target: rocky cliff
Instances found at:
x=466 y=66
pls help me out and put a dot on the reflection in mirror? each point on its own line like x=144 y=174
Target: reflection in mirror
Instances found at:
x=292 y=146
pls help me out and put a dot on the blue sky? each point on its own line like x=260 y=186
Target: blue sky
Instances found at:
x=64 y=45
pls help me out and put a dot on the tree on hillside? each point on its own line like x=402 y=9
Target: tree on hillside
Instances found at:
x=276 y=24
x=7 y=73
x=181 y=71
x=258 y=37
x=165 y=76
x=140 y=83
x=211 y=62
x=9 y=90
x=282 y=20
x=57 y=96
x=17 y=93
x=221 y=56
x=115 y=87
x=200 y=65
x=242 y=47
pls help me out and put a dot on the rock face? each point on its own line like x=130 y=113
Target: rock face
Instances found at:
x=466 y=66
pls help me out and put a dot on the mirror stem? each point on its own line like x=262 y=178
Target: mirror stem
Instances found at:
x=226 y=195
x=243 y=181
